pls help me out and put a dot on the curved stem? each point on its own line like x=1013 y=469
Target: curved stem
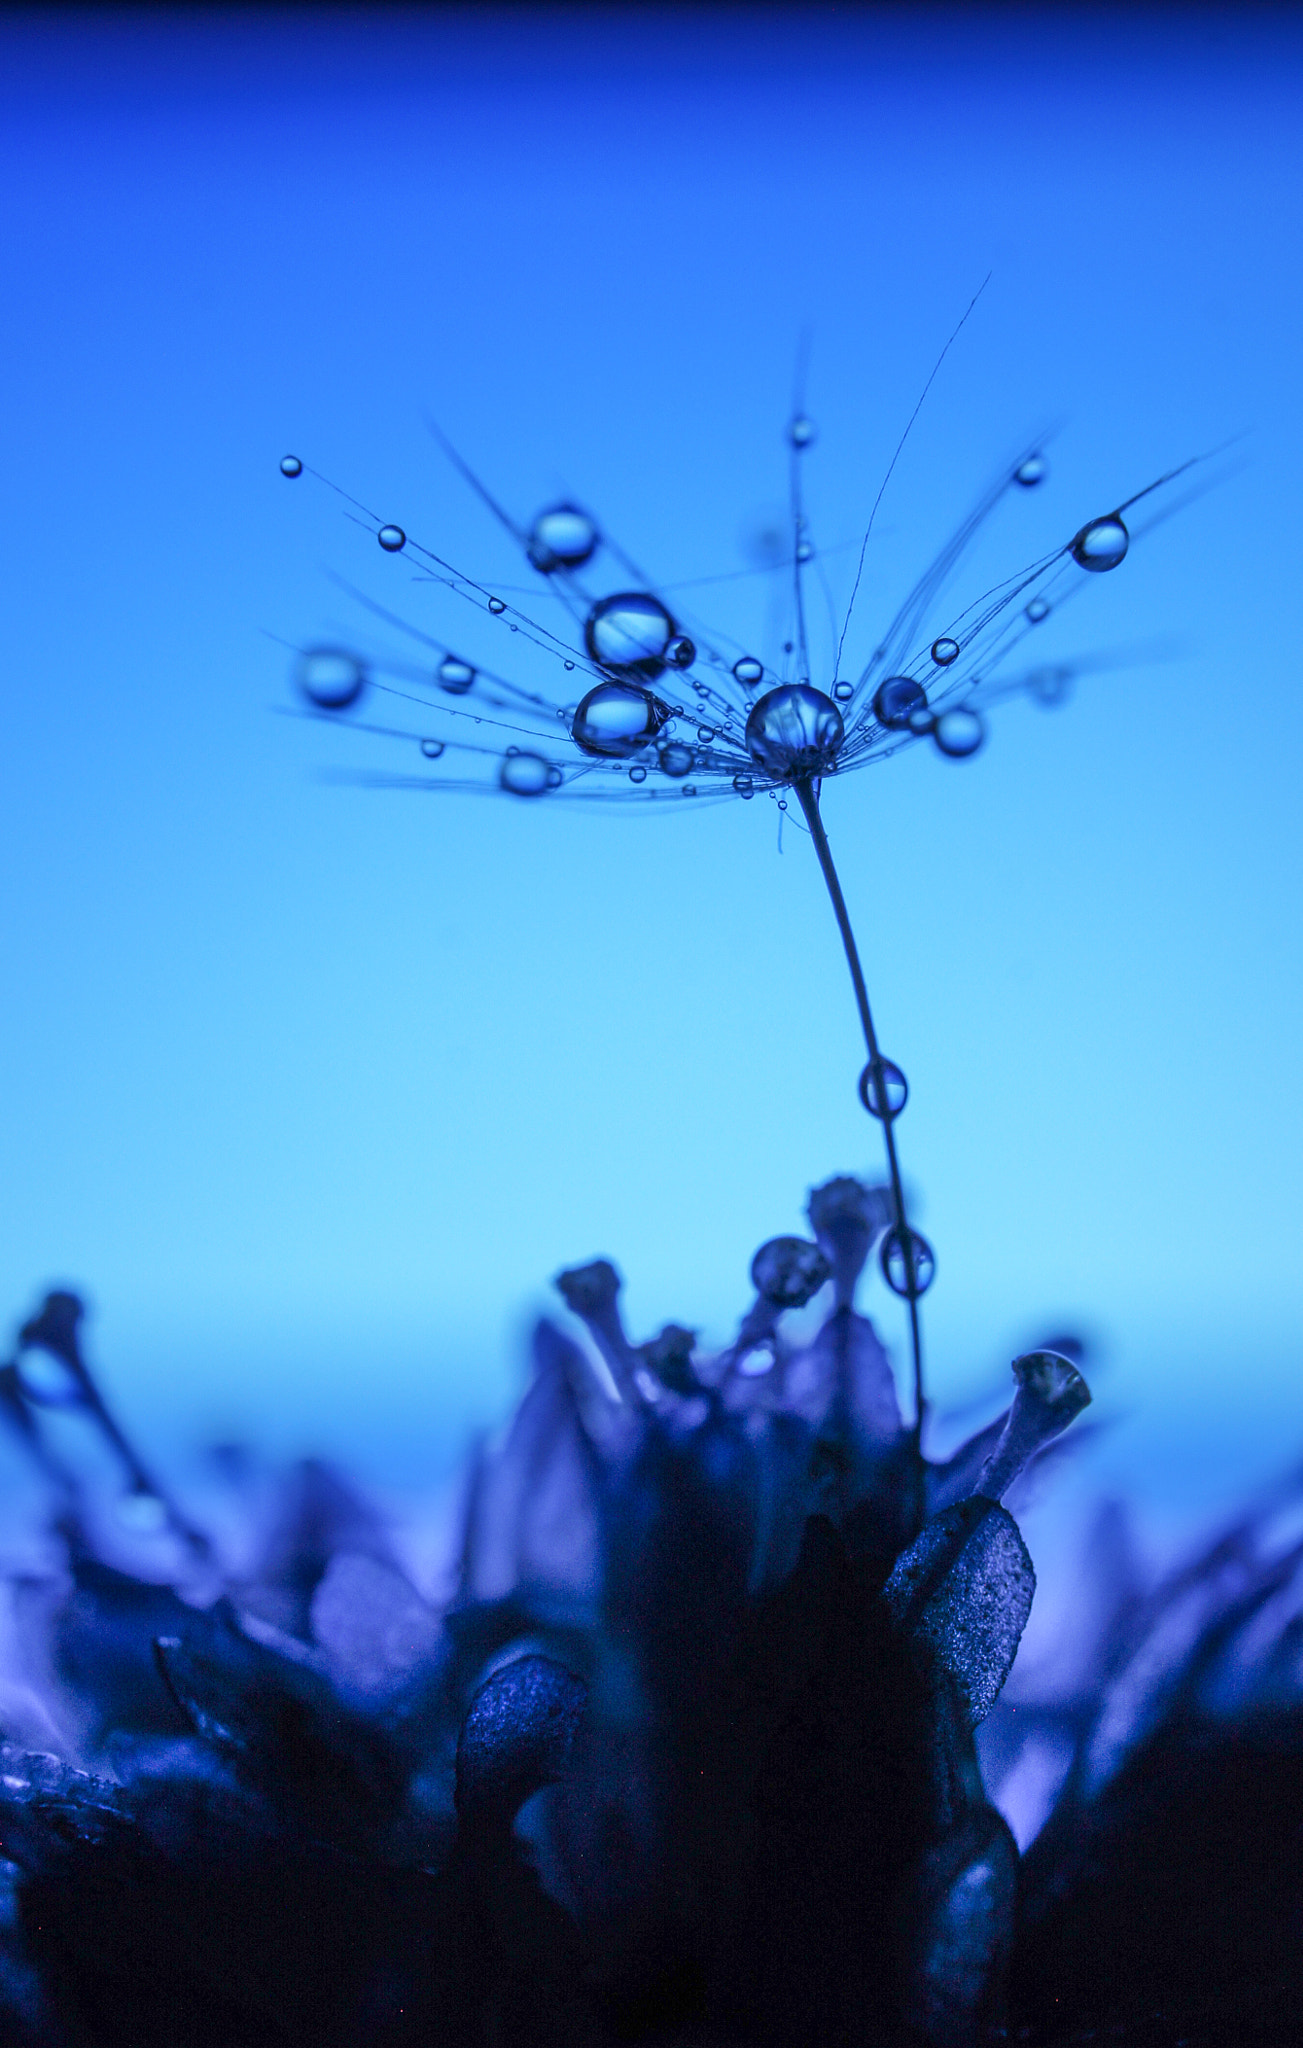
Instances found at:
x=808 y=798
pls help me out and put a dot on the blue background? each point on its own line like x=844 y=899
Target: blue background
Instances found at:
x=313 y=1087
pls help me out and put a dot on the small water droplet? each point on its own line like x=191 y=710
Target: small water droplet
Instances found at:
x=689 y=789
x=705 y=733
x=789 y=1271
x=454 y=675
x=843 y=692
x=526 y=774
x=884 y=1090
x=563 y=537
x=629 y=632
x=896 y=1266
x=497 y=605
x=782 y=803
x=803 y=551
x=431 y=749
x=617 y=719
x=291 y=466
x=748 y=671
x=1037 y=610
x=744 y=786
x=1101 y=545
x=959 y=732
x=392 y=539
x=330 y=677
x=896 y=699
x=681 y=652
x=638 y=774
x=675 y=760
x=794 y=731
x=944 y=651
x=569 y=664
x=801 y=431
x=1031 y=472
x=920 y=719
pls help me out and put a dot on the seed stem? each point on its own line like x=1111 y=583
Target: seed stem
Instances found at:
x=807 y=796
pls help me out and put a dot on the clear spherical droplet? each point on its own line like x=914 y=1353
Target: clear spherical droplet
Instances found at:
x=1101 y=545
x=681 y=652
x=958 y=732
x=497 y=605
x=617 y=719
x=454 y=675
x=1037 y=610
x=884 y=1090
x=801 y=431
x=630 y=632
x=920 y=720
x=804 y=551
x=675 y=759
x=944 y=651
x=291 y=466
x=432 y=749
x=1031 y=472
x=330 y=677
x=843 y=692
x=744 y=786
x=909 y=1274
x=788 y=1271
x=638 y=774
x=563 y=537
x=392 y=539
x=794 y=731
x=526 y=774
x=705 y=733
x=896 y=699
x=748 y=671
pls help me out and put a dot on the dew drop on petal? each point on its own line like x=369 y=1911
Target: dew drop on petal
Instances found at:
x=629 y=632
x=794 y=731
x=454 y=675
x=896 y=1266
x=617 y=719
x=291 y=466
x=958 y=732
x=526 y=774
x=1030 y=472
x=896 y=699
x=681 y=652
x=563 y=537
x=748 y=671
x=497 y=606
x=1037 y=610
x=944 y=651
x=744 y=786
x=392 y=539
x=801 y=431
x=884 y=1090
x=675 y=759
x=638 y=774
x=330 y=677
x=1101 y=545
x=431 y=749
x=843 y=692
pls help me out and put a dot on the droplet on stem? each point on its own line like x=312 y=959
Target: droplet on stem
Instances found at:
x=896 y=1266
x=630 y=633
x=563 y=537
x=432 y=749
x=884 y=1090
x=794 y=731
x=958 y=732
x=1030 y=472
x=944 y=651
x=392 y=539
x=896 y=699
x=748 y=671
x=330 y=677
x=454 y=675
x=617 y=719
x=291 y=466
x=1101 y=545
x=524 y=774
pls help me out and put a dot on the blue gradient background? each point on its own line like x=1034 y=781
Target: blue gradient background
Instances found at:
x=312 y=1087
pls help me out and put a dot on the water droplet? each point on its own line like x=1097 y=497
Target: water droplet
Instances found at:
x=563 y=537
x=705 y=733
x=744 y=786
x=1050 y=685
x=630 y=632
x=689 y=789
x=944 y=651
x=748 y=671
x=497 y=606
x=895 y=701
x=803 y=551
x=794 y=731
x=431 y=749
x=617 y=719
x=896 y=1266
x=843 y=692
x=920 y=720
x=526 y=774
x=789 y=1271
x=1030 y=472
x=681 y=652
x=454 y=675
x=569 y=664
x=801 y=432
x=291 y=466
x=638 y=774
x=959 y=732
x=884 y=1090
x=392 y=539
x=1037 y=610
x=1101 y=545
x=330 y=677
x=675 y=759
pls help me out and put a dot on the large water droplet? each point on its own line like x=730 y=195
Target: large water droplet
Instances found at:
x=526 y=774
x=959 y=732
x=291 y=466
x=432 y=749
x=884 y=1091
x=1101 y=545
x=801 y=431
x=629 y=632
x=454 y=675
x=675 y=759
x=894 y=700
x=788 y=1271
x=1031 y=472
x=1037 y=610
x=563 y=537
x=392 y=539
x=896 y=1267
x=944 y=651
x=330 y=677
x=748 y=671
x=617 y=719
x=681 y=652
x=794 y=731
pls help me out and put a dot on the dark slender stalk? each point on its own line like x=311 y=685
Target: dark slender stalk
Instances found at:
x=808 y=798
